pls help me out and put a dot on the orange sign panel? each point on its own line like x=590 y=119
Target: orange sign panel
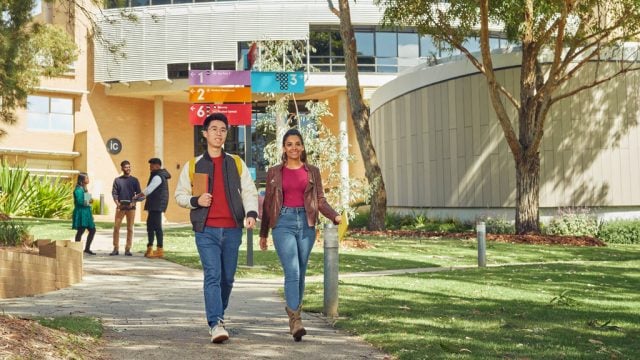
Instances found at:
x=206 y=94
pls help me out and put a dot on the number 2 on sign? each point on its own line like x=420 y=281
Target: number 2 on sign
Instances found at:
x=200 y=94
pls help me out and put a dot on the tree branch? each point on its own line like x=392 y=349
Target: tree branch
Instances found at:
x=495 y=88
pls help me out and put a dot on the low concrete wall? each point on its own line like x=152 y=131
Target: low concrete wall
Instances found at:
x=58 y=265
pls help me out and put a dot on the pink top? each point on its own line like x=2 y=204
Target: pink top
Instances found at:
x=294 y=182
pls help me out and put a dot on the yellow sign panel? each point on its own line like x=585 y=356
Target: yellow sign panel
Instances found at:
x=206 y=94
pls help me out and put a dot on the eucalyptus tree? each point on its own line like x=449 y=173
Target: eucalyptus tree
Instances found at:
x=360 y=118
x=558 y=39
x=28 y=51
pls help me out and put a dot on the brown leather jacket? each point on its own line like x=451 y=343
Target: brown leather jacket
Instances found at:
x=314 y=200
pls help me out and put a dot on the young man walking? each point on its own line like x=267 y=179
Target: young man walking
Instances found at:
x=230 y=199
x=125 y=188
x=157 y=199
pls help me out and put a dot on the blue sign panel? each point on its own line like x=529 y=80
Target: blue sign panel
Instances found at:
x=277 y=82
x=252 y=171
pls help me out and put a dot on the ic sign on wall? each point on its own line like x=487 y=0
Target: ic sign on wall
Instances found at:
x=114 y=146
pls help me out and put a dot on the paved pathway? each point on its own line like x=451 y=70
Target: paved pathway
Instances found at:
x=153 y=309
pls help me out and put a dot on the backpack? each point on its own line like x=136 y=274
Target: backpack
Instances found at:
x=192 y=166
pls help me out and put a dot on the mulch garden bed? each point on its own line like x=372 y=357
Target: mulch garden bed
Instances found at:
x=506 y=238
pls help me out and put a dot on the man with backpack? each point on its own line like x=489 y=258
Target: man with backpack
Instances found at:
x=222 y=196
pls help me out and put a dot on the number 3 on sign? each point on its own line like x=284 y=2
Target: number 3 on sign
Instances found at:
x=293 y=80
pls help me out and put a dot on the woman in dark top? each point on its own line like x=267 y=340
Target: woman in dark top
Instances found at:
x=82 y=216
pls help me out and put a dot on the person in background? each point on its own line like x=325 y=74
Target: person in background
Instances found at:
x=157 y=199
x=125 y=188
x=217 y=216
x=82 y=216
x=293 y=200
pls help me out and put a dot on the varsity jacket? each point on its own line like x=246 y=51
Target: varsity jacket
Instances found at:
x=239 y=187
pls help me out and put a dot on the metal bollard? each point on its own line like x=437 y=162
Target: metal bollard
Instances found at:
x=331 y=270
x=101 y=204
x=249 y=247
x=481 y=230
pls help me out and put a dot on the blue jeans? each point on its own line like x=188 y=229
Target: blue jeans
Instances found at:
x=218 y=249
x=293 y=239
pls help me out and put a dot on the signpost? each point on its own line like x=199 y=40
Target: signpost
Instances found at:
x=219 y=77
x=199 y=94
x=237 y=114
x=277 y=82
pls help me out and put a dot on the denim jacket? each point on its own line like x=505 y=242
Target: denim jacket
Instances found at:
x=314 y=200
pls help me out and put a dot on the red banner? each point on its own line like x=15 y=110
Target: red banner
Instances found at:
x=237 y=114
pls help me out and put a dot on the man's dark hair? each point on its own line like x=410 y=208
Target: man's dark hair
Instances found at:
x=155 y=161
x=124 y=162
x=215 y=116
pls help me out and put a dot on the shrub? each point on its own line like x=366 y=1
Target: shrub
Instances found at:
x=574 y=222
x=52 y=198
x=620 y=232
x=95 y=207
x=15 y=189
x=499 y=225
x=13 y=233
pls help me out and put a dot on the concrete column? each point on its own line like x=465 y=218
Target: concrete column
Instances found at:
x=343 y=119
x=158 y=127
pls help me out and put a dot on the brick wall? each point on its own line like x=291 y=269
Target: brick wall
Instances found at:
x=58 y=265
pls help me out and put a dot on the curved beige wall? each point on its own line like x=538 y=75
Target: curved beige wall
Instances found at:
x=441 y=146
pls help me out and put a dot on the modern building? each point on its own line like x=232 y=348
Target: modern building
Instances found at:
x=442 y=149
x=435 y=134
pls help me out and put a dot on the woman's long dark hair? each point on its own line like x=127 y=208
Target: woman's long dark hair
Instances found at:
x=81 y=177
x=293 y=132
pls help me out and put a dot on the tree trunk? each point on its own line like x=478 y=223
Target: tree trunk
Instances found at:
x=527 y=194
x=360 y=118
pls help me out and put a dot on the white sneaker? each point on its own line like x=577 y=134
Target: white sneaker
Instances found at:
x=218 y=333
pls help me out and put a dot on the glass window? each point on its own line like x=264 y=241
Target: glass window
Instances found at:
x=178 y=71
x=38 y=104
x=364 y=43
x=140 y=3
x=320 y=41
x=336 y=44
x=201 y=66
x=427 y=47
x=472 y=44
x=50 y=114
x=408 y=45
x=61 y=106
x=386 y=44
x=387 y=65
x=182 y=1
x=160 y=2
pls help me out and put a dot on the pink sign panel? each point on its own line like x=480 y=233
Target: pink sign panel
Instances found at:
x=219 y=77
x=237 y=114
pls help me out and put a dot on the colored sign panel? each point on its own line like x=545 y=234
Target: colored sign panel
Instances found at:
x=199 y=94
x=237 y=114
x=277 y=82
x=219 y=77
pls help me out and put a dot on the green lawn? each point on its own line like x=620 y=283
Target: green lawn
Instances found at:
x=497 y=313
x=574 y=303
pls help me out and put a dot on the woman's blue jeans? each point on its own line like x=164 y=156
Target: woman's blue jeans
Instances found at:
x=218 y=249
x=293 y=239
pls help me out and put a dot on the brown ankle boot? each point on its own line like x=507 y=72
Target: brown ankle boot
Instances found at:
x=295 y=324
x=158 y=254
x=149 y=251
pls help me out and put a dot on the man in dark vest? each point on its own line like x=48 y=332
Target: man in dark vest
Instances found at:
x=157 y=195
